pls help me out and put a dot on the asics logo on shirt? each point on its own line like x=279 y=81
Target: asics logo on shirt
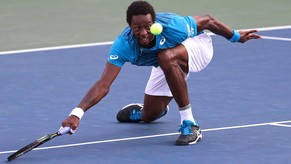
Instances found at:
x=190 y=31
x=113 y=57
x=163 y=40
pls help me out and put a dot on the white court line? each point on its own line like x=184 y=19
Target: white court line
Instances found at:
x=276 y=38
x=280 y=124
x=110 y=42
x=55 y=48
x=151 y=136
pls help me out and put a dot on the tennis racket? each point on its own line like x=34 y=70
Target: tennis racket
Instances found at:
x=38 y=142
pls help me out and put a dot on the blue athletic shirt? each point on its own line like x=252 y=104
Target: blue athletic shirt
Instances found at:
x=176 y=29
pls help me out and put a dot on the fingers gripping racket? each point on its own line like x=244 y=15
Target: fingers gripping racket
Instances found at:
x=38 y=142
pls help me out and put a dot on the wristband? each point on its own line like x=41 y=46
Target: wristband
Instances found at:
x=78 y=112
x=235 y=37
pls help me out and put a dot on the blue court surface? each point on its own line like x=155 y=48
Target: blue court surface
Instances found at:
x=242 y=101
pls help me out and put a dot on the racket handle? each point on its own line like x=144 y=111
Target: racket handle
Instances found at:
x=64 y=130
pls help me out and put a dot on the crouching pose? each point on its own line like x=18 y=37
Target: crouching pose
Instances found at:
x=181 y=48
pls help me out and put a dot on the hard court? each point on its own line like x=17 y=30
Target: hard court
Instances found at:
x=241 y=100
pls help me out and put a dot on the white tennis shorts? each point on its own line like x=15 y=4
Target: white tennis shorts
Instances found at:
x=200 y=53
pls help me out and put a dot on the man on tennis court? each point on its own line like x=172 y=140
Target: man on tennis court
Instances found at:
x=181 y=48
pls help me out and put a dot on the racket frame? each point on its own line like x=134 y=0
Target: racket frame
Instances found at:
x=33 y=145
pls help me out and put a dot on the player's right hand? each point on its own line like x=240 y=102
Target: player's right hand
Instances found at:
x=72 y=122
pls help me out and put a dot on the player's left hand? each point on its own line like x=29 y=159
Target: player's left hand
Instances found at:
x=246 y=35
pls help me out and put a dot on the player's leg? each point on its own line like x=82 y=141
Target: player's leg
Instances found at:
x=154 y=107
x=193 y=56
x=174 y=62
x=157 y=97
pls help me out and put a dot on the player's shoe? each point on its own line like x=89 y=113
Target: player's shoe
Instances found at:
x=190 y=133
x=133 y=113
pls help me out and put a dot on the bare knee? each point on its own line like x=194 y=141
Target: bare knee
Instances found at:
x=149 y=115
x=154 y=113
x=173 y=58
x=148 y=118
x=166 y=59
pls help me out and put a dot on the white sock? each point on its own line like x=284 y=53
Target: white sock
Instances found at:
x=186 y=113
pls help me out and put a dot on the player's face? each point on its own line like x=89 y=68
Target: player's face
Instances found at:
x=140 y=25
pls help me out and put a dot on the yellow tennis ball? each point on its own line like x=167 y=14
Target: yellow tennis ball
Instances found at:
x=156 y=28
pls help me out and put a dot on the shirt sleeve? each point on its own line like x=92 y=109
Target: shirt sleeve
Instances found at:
x=192 y=29
x=182 y=28
x=115 y=56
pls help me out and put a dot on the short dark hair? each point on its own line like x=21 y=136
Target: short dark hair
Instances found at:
x=139 y=7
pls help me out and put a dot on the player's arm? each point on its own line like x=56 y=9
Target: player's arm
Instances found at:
x=99 y=90
x=207 y=22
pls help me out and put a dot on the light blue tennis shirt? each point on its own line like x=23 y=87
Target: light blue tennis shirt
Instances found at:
x=176 y=29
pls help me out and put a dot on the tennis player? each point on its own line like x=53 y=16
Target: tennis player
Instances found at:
x=181 y=48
